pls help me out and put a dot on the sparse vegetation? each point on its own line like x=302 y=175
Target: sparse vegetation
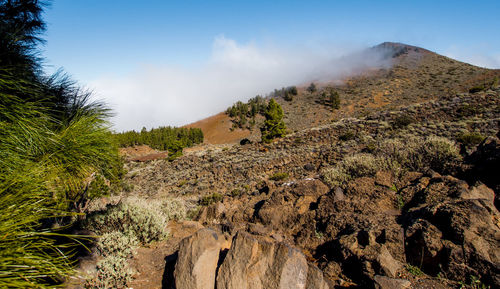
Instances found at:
x=210 y=199
x=355 y=166
x=332 y=97
x=279 y=177
x=395 y=155
x=414 y=270
x=312 y=88
x=402 y=121
x=471 y=139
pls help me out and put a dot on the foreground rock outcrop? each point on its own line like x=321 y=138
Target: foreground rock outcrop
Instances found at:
x=251 y=262
x=197 y=262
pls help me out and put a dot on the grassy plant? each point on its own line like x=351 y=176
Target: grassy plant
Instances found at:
x=471 y=139
x=279 y=177
x=414 y=270
x=210 y=199
x=475 y=283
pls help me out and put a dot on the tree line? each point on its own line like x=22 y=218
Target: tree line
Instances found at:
x=168 y=138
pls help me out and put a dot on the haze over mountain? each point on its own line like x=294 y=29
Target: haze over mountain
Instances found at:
x=177 y=96
x=181 y=63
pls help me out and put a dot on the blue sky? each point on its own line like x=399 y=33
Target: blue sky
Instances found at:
x=122 y=41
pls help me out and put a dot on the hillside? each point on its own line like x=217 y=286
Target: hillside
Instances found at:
x=396 y=189
x=416 y=75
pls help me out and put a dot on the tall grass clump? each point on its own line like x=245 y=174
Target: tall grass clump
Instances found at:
x=54 y=143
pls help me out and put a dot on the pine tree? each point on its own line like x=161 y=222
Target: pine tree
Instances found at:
x=274 y=126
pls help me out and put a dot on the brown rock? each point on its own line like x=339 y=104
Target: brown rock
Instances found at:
x=388 y=265
x=384 y=178
x=480 y=191
x=257 y=262
x=315 y=279
x=382 y=282
x=197 y=260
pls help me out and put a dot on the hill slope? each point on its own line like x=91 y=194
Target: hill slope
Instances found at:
x=397 y=189
x=416 y=75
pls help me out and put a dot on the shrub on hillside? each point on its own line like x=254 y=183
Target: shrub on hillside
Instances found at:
x=351 y=167
x=332 y=97
x=210 y=199
x=471 y=139
x=174 y=209
x=279 y=177
x=116 y=244
x=402 y=121
x=421 y=154
x=312 y=88
x=112 y=272
x=133 y=217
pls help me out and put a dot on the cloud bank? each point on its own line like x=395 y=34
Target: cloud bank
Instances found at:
x=155 y=95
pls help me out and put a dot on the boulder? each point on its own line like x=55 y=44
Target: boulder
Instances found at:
x=255 y=262
x=197 y=260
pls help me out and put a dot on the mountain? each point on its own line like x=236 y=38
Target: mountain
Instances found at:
x=416 y=75
x=397 y=188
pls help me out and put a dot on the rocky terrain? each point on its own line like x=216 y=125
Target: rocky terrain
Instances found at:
x=396 y=189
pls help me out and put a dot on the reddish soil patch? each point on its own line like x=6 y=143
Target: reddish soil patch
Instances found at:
x=142 y=153
x=217 y=130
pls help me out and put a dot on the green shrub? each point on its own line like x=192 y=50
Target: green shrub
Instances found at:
x=348 y=135
x=351 y=167
x=330 y=95
x=467 y=110
x=174 y=155
x=420 y=154
x=116 y=244
x=312 y=88
x=477 y=88
x=471 y=139
x=402 y=121
x=112 y=272
x=134 y=218
x=210 y=199
x=174 y=209
x=279 y=177
x=414 y=270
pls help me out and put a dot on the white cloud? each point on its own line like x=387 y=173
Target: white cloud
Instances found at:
x=155 y=96
x=474 y=56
